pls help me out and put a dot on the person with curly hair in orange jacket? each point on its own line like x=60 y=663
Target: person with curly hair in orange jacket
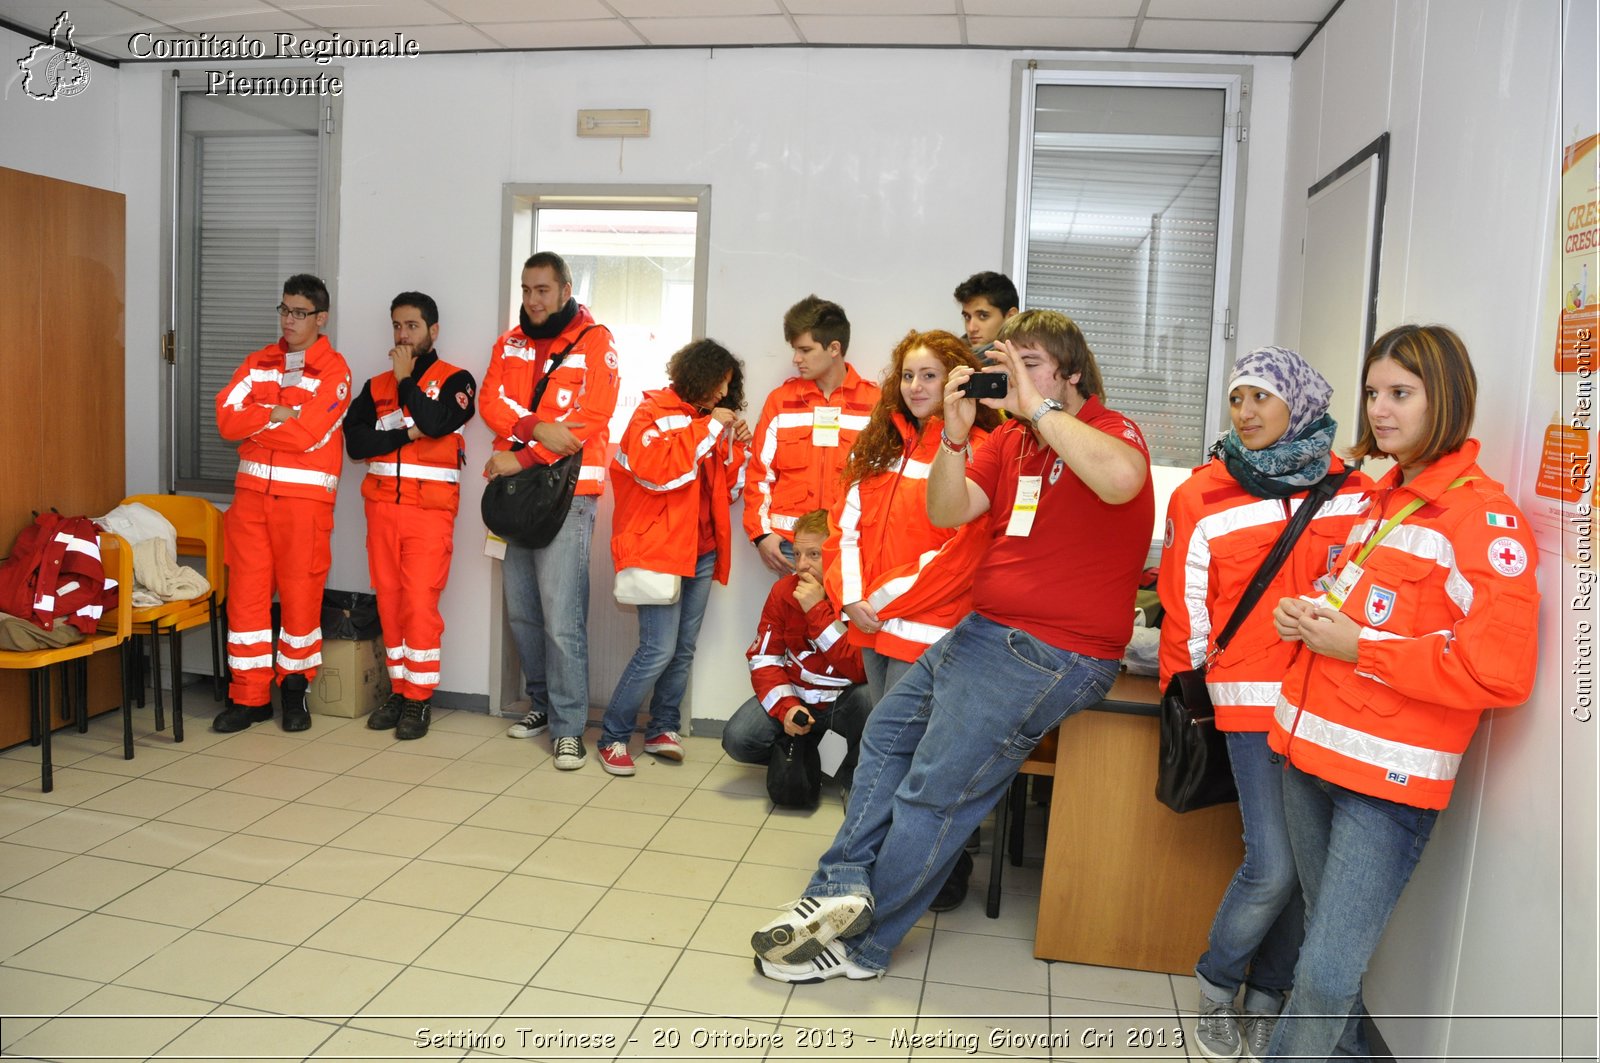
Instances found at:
x=676 y=474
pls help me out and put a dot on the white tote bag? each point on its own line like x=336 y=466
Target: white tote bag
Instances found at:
x=640 y=586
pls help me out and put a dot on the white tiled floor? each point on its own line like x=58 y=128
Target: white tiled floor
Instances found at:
x=326 y=895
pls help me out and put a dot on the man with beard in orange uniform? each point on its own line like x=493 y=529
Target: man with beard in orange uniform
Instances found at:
x=406 y=425
x=284 y=407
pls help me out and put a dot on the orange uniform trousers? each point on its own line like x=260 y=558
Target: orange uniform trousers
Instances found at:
x=274 y=543
x=408 y=554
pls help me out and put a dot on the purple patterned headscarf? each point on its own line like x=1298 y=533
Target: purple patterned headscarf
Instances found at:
x=1285 y=374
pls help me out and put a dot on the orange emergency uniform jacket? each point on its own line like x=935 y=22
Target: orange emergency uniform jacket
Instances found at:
x=797 y=457
x=657 y=482
x=1449 y=613
x=881 y=545
x=582 y=391
x=425 y=472
x=1217 y=535
x=300 y=457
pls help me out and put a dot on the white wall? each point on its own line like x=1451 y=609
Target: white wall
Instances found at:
x=70 y=138
x=874 y=178
x=1468 y=92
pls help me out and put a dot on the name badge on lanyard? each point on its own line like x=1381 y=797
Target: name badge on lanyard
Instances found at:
x=1026 y=505
x=293 y=363
x=825 y=426
x=1349 y=576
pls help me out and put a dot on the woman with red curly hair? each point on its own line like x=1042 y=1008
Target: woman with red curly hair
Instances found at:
x=887 y=566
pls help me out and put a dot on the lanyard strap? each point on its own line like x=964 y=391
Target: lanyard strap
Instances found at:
x=1405 y=511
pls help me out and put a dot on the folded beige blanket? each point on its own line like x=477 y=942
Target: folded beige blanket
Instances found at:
x=158 y=578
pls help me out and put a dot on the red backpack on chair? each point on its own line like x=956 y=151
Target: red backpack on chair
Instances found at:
x=54 y=571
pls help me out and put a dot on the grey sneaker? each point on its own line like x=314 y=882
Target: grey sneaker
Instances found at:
x=569 y=753
x=1257 y=1035
x=1217 y=1031
x=535 y=723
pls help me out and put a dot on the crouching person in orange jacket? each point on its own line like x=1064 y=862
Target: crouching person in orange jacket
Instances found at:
x=805 y=671
x=406 y=425
x=284 y=407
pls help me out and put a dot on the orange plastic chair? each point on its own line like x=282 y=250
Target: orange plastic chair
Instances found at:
x=199 y=527
x=115 y=630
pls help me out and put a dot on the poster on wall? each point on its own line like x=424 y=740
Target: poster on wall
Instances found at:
x=1559 y=501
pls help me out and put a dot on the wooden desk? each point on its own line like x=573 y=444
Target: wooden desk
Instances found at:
x=1128 y=882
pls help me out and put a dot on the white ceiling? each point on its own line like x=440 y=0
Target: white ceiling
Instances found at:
x=1243 y=26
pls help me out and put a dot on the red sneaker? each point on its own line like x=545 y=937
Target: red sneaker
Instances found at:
x=614 y=758
x=665 y=745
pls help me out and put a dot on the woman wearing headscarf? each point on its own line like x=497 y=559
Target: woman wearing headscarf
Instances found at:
x=1221 y=524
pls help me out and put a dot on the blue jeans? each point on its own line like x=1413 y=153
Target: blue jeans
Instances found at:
x=547 y=602
x=882 y=672
x=667 y=636
x=750 y=734
x=1255 y=937
x=1355 y=854
x=938 y=752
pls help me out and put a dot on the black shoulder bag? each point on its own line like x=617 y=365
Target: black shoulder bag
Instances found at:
x=529 y=507
x=1193 y=771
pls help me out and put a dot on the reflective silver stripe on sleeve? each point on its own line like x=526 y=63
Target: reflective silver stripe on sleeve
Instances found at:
x=1264 y=695
x=913 y=631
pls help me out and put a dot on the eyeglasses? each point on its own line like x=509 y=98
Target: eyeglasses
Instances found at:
x=297 y=314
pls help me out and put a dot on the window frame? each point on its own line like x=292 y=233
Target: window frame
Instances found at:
x=180 y=80
x=1027 y=75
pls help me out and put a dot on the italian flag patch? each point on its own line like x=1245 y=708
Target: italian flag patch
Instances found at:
x=1501 y=520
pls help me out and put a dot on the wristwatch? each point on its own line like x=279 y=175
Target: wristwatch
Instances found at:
x=1045 y=407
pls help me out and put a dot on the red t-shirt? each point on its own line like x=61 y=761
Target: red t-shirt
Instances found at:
x=708 y=531
x=1071 y=581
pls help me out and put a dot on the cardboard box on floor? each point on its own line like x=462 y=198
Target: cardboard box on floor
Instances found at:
x=352 y=679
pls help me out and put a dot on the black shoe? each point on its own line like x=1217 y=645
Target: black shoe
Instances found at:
x=238 y=717
x=296 y=716
x=413 y=720
x=954 y=890
x=388 y=714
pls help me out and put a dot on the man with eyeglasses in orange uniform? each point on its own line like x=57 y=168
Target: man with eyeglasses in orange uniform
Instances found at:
x=284 y=407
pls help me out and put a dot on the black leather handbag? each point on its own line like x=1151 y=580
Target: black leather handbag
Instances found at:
x=529 y=507
x=794 y=774
x=1194 y=771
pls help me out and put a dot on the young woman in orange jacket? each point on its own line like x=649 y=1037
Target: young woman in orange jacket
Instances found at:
x=885 y=562
x=1221 y=524
x=1432 y=617
x=679 y=468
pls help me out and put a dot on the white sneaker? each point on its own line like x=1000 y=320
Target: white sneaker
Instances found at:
x=804 y=931
x=569 y=753
x=830 y=962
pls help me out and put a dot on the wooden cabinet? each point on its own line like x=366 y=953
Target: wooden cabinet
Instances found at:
x=61 y=360
x=1127 y=881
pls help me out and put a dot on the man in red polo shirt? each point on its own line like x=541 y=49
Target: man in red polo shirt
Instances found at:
x=808 y=425
x=1064 y=491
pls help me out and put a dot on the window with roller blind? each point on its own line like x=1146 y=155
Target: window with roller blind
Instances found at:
x=1126 y=197
x=252 y=181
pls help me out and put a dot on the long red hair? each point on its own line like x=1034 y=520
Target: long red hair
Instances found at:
x=880 y=444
